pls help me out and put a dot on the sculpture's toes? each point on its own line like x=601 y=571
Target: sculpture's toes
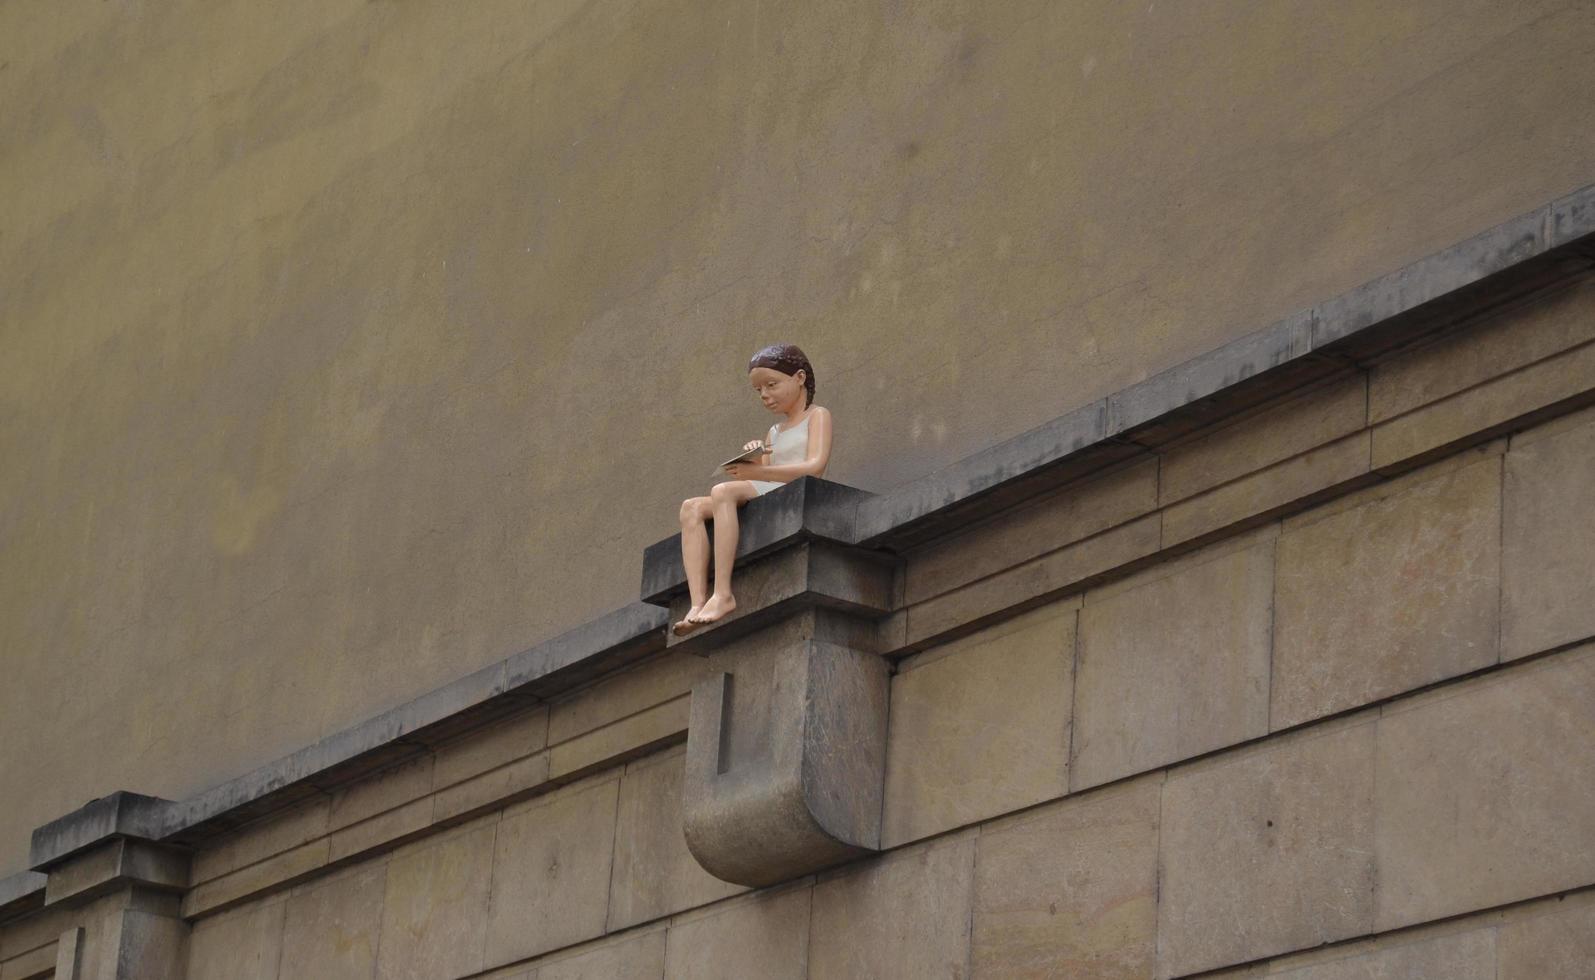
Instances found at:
x=712 y=611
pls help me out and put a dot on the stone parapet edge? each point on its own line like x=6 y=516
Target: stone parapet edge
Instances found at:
x=805 y=509
x=606 y=643
x=1481 y=273
x=21 y=892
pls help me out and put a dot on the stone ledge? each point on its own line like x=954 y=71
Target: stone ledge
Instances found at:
x=21 y=892
x=121 y=814
x=120 y=862
x=1006 y=473
x=1516 y=257
x=809 y=573
x=808 y=508
x=623 y=636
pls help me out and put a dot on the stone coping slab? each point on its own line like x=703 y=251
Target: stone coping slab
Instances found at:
x=622 y=636
x=808 y=508
x=22 y=891
x=1490 y=269
x=121 y=814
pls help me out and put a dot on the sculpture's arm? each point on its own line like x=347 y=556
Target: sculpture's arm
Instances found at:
x=819 y=454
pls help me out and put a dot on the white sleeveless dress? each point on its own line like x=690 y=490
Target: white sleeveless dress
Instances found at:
x=791 y=446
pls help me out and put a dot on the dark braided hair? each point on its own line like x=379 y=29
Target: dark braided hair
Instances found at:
x=789 y=359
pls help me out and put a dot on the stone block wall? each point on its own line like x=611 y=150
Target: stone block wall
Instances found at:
x=1439 y=828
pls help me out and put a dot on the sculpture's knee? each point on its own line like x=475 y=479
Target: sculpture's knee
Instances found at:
x=720 y=493
x=690 y=514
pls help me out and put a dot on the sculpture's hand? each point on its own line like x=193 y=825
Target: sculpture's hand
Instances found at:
x=744 y=471
x=753 y=444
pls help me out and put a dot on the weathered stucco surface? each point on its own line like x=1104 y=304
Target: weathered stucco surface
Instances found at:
x=312 y=312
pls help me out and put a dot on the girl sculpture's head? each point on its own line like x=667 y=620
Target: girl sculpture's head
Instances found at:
x=777 y=372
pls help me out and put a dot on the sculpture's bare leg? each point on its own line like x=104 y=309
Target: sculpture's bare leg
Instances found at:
x=695 y=556
x=726 y=497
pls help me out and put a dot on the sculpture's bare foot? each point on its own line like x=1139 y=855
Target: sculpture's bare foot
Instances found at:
x=685 y=624
x=712 y=610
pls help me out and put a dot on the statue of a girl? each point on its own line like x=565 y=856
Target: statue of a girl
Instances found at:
x=800 y=446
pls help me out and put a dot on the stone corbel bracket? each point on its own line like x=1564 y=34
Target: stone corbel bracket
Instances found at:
x=786 y=745
x=805 y=795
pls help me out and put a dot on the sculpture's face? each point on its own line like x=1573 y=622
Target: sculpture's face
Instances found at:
x=779 y=392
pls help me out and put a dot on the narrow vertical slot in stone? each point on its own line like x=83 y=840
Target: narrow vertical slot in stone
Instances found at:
x=723 y=763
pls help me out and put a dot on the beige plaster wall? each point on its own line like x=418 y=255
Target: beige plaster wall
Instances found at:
x=313 y=312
